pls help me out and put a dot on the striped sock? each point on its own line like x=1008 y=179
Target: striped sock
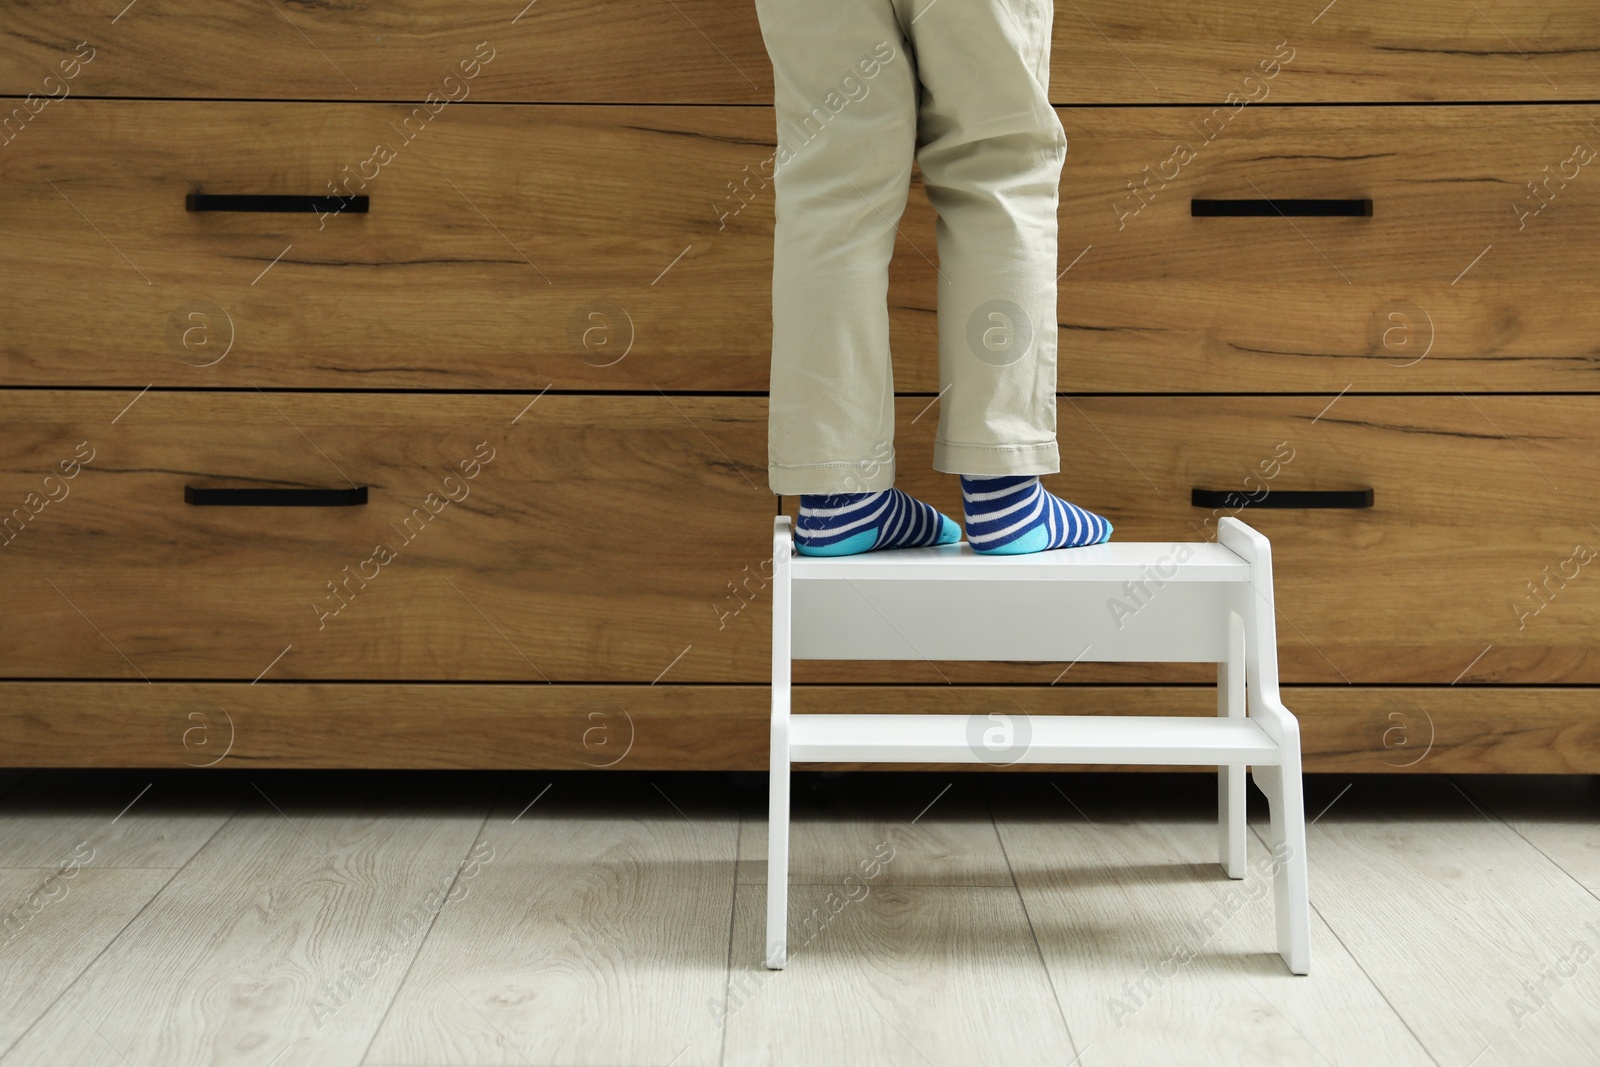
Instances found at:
x=1013 y=513
x=842 y=524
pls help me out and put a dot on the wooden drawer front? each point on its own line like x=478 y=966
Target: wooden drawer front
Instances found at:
x=509 y=247
x=1425 y=730
x=505 y=247
x=1175 y=52
x=1476 y=563
x=1397 y=302
x=711 y=51
x=569 y=556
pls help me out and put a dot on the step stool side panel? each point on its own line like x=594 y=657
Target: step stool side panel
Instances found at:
x=1256 y=605
x=1281 y=783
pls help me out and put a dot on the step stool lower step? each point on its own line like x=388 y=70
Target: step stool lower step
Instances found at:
x=1170 y=740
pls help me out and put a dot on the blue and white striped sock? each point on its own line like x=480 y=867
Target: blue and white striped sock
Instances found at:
x=1013 y=513
x=842 y=524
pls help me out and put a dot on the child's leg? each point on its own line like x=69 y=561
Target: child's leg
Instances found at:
x=845 y=96
x=991 y=150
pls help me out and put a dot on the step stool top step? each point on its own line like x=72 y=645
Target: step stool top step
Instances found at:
x=1116 y=561
x=1007 y=737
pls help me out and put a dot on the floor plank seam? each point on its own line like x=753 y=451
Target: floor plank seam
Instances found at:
x=422 y=942
x=1033 y=934
x=733 y=915
x=62 y=992
x=1524 y=837
x=1376 y=988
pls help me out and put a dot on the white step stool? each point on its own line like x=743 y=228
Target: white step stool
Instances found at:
x=1203 y=602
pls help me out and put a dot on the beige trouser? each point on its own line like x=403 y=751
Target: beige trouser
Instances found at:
x=862 y=86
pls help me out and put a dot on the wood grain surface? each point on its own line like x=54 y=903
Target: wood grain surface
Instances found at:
x=514 y=247
x=555 y=564
x=1463 y=728
x=597 y=919
x=292 y=924
x=708 y=51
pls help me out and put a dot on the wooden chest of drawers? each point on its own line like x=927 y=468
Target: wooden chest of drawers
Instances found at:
x=552 y=320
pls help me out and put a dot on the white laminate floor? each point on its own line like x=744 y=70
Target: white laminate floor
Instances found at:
x=277 y=918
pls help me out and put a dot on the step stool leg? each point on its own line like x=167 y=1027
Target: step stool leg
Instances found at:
x=1231 y=777
x=777 y=943
x=1291 y=904
x=778 y=859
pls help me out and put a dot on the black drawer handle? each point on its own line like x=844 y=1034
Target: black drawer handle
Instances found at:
x=275 y=498
x=321 y=205
x=1282 y=498
x=1258 y=208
